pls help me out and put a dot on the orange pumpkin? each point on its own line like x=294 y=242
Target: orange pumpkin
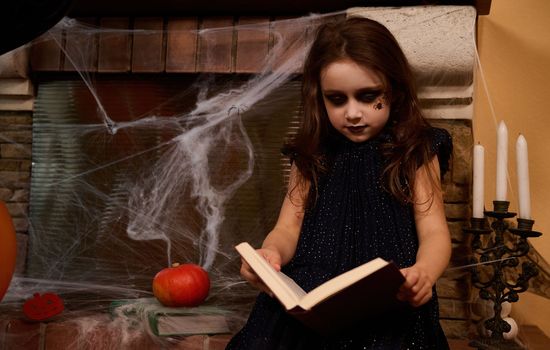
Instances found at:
x=42 y=307
x=181 y=285
x=8 y=249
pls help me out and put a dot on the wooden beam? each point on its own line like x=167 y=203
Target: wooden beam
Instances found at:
x=181 y=45
x=81 y=47
x=288 y=38
x=148 y=48
x=216 y=45
x=114 y=45
x=252 y=44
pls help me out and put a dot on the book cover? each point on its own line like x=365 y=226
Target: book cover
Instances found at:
x=365 y=292
x=173 y=321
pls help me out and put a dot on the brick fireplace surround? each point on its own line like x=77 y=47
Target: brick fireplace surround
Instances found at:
x=176 y=51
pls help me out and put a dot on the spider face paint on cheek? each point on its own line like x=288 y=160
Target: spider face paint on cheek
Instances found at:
x=379 y=103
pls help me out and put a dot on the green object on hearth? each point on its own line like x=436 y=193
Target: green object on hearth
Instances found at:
x=172 y=321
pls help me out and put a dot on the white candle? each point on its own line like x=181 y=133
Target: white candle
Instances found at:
x=502 y=162
x=477 y=197
x=522 y=163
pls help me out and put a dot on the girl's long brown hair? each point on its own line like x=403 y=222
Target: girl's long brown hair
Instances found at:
x=371 y=45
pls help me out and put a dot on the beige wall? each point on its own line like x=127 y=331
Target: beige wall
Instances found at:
x=514 y=49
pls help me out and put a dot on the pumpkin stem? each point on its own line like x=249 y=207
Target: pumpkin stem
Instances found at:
x=175 y=264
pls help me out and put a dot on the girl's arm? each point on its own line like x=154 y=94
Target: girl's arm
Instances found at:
x=434 y=238
x=280 y=244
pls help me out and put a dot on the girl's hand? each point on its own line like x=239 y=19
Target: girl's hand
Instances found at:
x=273 y=258
x=417 y=288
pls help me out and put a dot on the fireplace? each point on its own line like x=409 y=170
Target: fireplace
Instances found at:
x=152 y=77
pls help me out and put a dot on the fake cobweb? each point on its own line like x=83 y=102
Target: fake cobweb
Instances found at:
x=133 y=173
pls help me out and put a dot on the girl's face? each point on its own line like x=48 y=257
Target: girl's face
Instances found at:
x=354 y=99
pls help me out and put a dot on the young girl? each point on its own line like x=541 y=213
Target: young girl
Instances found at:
x=364 y=184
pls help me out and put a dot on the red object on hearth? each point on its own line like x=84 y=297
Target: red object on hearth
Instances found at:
x=8 y=249
x=42 y=307
x=181 y=285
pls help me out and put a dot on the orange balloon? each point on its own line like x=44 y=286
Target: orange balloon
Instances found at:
x=8 y=249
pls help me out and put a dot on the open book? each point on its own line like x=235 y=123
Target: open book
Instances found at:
x=364 y=292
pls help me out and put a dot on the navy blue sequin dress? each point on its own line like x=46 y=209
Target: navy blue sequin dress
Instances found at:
x=354 y=220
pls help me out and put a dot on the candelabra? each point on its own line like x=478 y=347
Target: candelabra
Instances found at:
x=499 y=248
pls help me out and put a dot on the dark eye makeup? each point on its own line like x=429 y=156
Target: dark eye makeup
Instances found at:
x=336 y=99
x=367 y=95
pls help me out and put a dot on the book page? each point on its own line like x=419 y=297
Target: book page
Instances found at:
x=282 y=286
x=298 y=291
x=339 y=282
